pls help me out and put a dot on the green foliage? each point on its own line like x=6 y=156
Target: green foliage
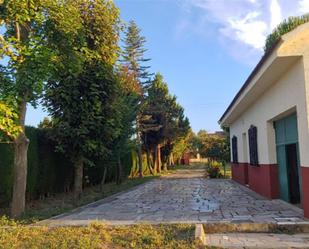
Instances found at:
x=6 y=173
x=97 y=235
x=82 y=111
x=45 y=124
x=9 y=128
x=82 y=95
x=213 y=170
x=181 y=146
x=47 y=170
x=283 y=28
x=164 y=121
x=29 y=62
x=212 y=146
x=133 y=54
x=50 y=172
x=66 y=51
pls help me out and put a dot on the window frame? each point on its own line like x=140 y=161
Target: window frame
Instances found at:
x=234 y=149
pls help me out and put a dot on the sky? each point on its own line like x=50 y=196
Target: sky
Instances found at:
x=205 y=49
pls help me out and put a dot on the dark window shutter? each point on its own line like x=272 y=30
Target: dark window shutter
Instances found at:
x=253 y=146
x=234 y=150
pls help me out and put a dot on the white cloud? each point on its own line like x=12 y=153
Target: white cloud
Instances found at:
x=304 y=6
x=242 y=24
x=275 y=12
x=248 y=30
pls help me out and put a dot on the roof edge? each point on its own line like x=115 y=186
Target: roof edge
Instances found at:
x=251 y=76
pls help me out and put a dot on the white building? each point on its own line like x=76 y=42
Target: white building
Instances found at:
x=269 y=123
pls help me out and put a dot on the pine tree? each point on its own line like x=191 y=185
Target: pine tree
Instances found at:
x=133 y=54
x=133 y=58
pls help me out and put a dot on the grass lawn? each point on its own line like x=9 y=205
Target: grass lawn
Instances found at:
x=191 y=166
x=98 y=235
x=228 y=171
x=60 y=203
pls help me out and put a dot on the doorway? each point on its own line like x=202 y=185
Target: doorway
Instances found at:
x=292 y=172
x=288 y=159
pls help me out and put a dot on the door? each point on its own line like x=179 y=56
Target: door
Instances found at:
x=288 y=158
x=292 y=172
x=283 y=177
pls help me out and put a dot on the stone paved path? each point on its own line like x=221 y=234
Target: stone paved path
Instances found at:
x=254 y=240
x=184 y=197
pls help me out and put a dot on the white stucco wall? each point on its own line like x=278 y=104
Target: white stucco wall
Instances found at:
x=286 y=94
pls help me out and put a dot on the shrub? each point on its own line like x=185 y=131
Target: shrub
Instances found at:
x=50 y=172
x=213 y=170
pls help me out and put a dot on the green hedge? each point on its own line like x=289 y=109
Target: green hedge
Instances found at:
x=6 y=172
x=50 y=172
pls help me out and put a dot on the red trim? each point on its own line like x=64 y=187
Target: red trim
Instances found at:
x=264 y=180
x=305 y=190
x=240 y=173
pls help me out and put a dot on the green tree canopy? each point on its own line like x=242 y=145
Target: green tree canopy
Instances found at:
x=9 y=129
x=166 y=123
x=212 y=146
x=81 y=98
x=29 y=66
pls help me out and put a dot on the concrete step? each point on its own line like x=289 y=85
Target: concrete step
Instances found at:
x=256 y=240
x=253 y=235
x=280 y=227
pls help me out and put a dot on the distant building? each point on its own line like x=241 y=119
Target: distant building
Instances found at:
x=221 y=134
x=269 y=123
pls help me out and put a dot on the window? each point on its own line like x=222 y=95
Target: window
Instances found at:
x=253 y=146
x=234 y=149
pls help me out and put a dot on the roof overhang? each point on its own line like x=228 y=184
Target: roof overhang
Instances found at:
x=264 y=75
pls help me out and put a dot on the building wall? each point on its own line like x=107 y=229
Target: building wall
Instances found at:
x=287 y=95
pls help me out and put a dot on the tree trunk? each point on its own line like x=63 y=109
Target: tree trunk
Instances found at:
x=78 y=179
x=149 y=164
x=173 y=162
x=119 y=169
x=165 y=166
x=170 y=160
x=20 y=166
x=140 y=161
x=103 y=179
x=139 y=149
x=20 y=176
x=155 y=159
x=158 y=158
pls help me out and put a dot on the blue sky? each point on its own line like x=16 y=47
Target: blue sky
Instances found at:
x=205 y=49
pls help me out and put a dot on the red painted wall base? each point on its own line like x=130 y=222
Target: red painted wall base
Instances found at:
x=264 y=180
x=305 y=190
x=240 y=173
